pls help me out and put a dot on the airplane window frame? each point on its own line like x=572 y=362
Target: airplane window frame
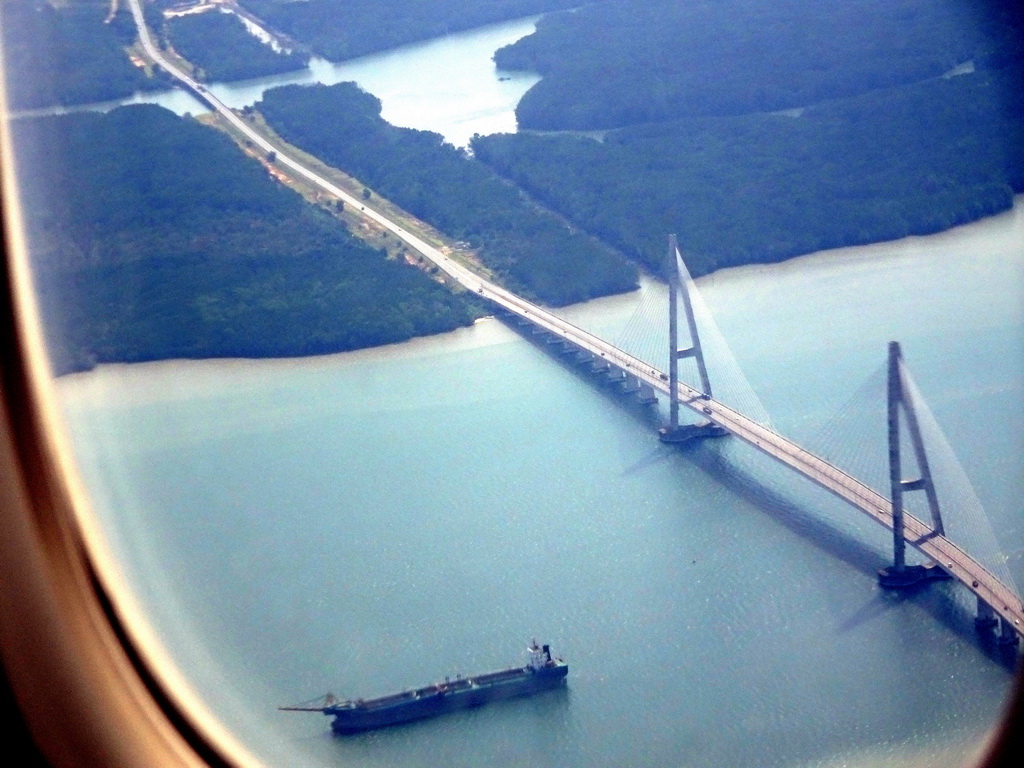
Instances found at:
x=77 y=670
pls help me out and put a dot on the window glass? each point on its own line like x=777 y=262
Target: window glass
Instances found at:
x=326 y=461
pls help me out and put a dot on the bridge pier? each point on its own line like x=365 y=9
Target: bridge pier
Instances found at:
x=911 y=575
x=567 y=348
x=674 y=432
x=900 y=575
x=616 y=375
x=686 y=432
x=628 y=382
x=677 y=287
x=986 y=618
x=1008 y=636
x=646 y=394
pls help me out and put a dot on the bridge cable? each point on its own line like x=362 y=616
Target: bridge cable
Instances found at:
x=854 y=439
x=729 y=384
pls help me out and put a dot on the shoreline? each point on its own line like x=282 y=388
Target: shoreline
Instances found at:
x=851 y=255
x=319 y=70
x=189 y=376
x=880 y=249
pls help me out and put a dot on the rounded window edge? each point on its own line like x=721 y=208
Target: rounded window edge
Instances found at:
x=87 y=677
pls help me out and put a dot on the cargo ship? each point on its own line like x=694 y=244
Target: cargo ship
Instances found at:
x=541 y=672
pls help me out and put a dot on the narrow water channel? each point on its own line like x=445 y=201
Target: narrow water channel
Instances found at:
x=448 y=85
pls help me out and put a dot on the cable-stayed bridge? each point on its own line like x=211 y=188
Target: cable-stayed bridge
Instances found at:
x=999 y=605
x=998 y=602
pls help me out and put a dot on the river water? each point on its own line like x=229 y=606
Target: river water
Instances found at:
x=449 y=85
x=365 y=522
x=371 y=521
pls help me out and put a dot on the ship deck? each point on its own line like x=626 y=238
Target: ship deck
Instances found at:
x=458 y=685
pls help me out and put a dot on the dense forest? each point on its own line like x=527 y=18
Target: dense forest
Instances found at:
x=755 y=136
x=167 y=242
x=220 y=46
x=68 y=55
x=531 y=250
x=761 y=188
x=624 y=62
x=342 y=29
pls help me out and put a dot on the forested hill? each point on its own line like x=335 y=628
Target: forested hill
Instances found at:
x=761 y=188
x=531 y=250
x=166 y=242
x=624 y=62
x=221 y=47
x=68 y=54
x=342 y=29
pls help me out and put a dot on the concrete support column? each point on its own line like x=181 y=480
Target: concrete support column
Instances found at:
x=672 y=432
x=673 y=336
x=646 y=394
x=899 y=542
x=1007 y=634
x=900 y=575
x=986 y=618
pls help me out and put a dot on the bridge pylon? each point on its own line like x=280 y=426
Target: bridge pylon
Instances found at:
x=901 y=401
x=674 y=432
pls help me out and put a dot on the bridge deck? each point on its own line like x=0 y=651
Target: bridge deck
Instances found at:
x=943 y=551
x=948 y=555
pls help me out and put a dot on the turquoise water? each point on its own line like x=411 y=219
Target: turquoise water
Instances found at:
x=372 y=521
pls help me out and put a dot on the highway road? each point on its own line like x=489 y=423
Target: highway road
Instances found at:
x=961 y=566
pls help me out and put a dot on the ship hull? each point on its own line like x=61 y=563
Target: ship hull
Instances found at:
x=444 y=698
